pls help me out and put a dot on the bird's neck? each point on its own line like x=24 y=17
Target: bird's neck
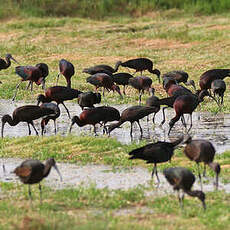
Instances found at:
x=46 y=170
x=193 y=193
x=79 y=122
x=68 y=83
x=12 y=122
x=8 y=62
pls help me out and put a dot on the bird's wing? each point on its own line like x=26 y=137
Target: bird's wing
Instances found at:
x=23 y=171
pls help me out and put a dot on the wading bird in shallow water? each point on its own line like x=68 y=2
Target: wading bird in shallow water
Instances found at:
x=66 y=68
x=140 y=64
x=88 y=99
x=33 y=172
x=202 y=151
x=4 y=64
x=58 y=94
x=182 y=178
x=156 y=153
x=26 y=113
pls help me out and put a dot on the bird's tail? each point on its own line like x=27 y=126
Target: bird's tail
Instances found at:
x=136 y=153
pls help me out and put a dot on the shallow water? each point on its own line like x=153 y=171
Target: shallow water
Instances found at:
x=205 y=125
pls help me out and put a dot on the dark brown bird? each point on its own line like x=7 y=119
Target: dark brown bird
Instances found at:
x=202 y=151
x=44 y=72
x=101 y=69
x=4 y=64
x=151 y=102
x=180 y=76
x=105 y=81
x=155 y=153
x=26 y=113
x=140 y=64
x=182 y=178
x=93 y=116
x=186 y=104
x=33 y=172
x=141 y=83
x=53 y=117
x=58 y=94
x=31 y=74
x=66 y=68
x=132 y=114
x=218 y=88
x=88 y=99
x=122 y=79
x=209 y=76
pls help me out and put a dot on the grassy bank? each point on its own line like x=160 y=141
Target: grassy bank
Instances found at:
x=99 y=9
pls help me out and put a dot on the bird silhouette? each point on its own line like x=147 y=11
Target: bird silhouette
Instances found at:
x=122 y=79
x=4 y=64
x=202 y=151
x=88 y=99
x=132 y=114
x=53 y=117
x=183 y=179
x=58 y=94
x=33 y=172
x=213 y=74
x=105 y=81
x=93 y=116
x=101 y=69
x=155 y=153
x=66 y=68
x=141 y=83
x=26 y=113
x=140 y=64
x=218 y=87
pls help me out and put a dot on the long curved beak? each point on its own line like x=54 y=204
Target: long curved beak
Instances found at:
x=215 y=100
x=55 y=166
x=43 y=84
x=70 y=128
x=15 y=60
x=2 y=129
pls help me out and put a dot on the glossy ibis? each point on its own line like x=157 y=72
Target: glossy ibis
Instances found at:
x=180 y=76
x=182 y=178
x=140 y=64
x=207 y=77
x=4 y=64
x=44 y=72
x=202 y=151
x=66 y=68
x=151 y=102
x=218 y=87
x=132 y=114
x=186 y=104
x=122 y=79
x=141 y=83
x=33 y=172
x=53 y=117
x=58 y=94
x=88 y=99
x=93 y=116
x=155 y=153
x=32 y=74
x=105 y=81
x=101 y=69
x=26 y=113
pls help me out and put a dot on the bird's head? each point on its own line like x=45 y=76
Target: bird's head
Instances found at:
x=52 y=163
x=152 y=91
x=9 y=56
x=41 y=98
x=75 y=119
x=5 y=118
x=118 y=63
x=192 y=83
x=201 y=196
x=116 y=88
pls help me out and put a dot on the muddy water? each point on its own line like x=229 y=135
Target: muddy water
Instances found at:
x=205 y=125
x=102 y=177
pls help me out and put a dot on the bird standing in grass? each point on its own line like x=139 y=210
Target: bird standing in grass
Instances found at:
x=4 y=64
x=182 y=178
x=156 y=153
x=33 y=172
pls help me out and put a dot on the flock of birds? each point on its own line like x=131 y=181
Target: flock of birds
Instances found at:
x=182 y=99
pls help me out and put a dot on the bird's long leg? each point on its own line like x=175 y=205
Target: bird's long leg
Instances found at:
x=154 y=169
x=103 y=92
x=124 y=90
x=139 y=97
x=94 y=130
x=32 y=123
x=163 y=111
x=154 y=115
x=16 y=90
x=57 y=78
x=29 y=128
x=198 y=168
x=55 y=127
x=204 y=172
x=190 y=123
x=140 y=127
x=40 y=189
x=66 y=110
x=28 y=85
x=183 y=121
x=158 y=179
x=30 y=195
x=31 y=87
x=131 y=130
